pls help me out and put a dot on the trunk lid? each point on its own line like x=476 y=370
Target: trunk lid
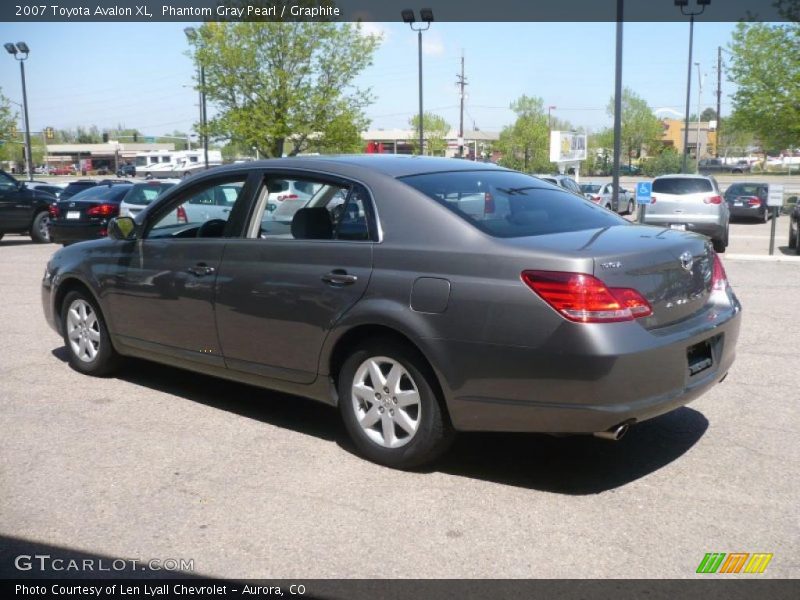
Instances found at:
x=671 y=269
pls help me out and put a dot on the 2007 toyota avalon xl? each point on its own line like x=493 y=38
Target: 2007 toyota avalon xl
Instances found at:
x=422 y=296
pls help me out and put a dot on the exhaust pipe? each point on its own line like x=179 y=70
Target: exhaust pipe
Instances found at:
x=614 y=434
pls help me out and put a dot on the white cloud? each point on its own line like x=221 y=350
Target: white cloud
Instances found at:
x=369 y=28
x=432 y=44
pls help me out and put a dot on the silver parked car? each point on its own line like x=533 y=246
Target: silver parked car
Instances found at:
x=603 y=194
x=421 y=296
x=690 y=203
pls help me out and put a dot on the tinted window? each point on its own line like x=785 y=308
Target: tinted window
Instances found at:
x=7 y=182
x=145 y=193
x=676 y=185
x=74 y=188
x=589 y=188
x=508 y=204
x=112 y=193
x=747 y=189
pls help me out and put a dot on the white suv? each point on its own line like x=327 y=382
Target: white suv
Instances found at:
x=690 y=203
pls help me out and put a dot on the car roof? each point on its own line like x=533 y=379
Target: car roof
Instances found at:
x=683 y=176
x=394 y=165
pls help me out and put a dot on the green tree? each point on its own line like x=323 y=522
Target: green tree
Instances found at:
x=641 y=129
x=765 y=63
x=276 y=85
x=664 y=163
x=435 y=130
x=8 y=125
x=709 y=114
x=526 y=144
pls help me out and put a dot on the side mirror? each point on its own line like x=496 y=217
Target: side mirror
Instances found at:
x=122 y=228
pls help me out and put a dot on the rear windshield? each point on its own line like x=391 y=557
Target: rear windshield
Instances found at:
x=590 y=188
x=77 y=186
x=110 y=193
x=676 y=185
x=747 y=189
x=143 y=194
x=509 y=204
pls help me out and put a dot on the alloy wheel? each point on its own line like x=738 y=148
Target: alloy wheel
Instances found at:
x=386 y=402
x=83 y=330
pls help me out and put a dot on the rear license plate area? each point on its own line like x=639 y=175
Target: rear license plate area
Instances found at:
x=73 y=214
x=700 y=357
x=679 y=227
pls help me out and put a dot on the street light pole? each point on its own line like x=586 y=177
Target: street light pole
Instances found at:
x=191 y=35
x=682 y=4
x=426 y=16
x=17 y=50
x=699 y=100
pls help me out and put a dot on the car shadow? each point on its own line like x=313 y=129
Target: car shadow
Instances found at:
x=17 y=242
x=788 y=251
x=573 y=465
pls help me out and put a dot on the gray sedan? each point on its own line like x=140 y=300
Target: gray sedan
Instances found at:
x=420 y=296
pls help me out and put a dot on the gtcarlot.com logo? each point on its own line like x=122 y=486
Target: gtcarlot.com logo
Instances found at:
x=47 y=563
x=735 y=562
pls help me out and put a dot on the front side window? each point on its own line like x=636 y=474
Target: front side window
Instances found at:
x=200 y=212
x=509 y=204
x=7 y=182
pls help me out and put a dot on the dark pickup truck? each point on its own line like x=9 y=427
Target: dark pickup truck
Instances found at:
x=23 y=210
x=710 y=166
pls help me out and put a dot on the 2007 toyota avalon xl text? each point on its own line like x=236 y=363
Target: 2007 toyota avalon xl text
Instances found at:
x=422 y=296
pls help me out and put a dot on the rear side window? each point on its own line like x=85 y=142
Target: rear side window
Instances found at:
x=509 y=204
x=676 y=185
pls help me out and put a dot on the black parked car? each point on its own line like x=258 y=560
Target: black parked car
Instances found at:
x=85 y=215
x=421 y=296
x=23 y=209
x=794 y=227
x=75 y=187
x=126 y=170
x=748 y=200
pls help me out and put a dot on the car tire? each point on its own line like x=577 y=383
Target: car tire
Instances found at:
x=631 y=207
x=721 y=244
x=86 y=336
x=39 y=232
x=1 y=235
x=402 y=433
x=186 y=174
x=793 y=235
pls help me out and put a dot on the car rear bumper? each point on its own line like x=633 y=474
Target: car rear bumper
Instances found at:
x=591 y=388
x=697 y=224
x=749 y=212
x=67 y=233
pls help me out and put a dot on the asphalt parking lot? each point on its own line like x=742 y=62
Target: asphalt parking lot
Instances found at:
x=160 y=463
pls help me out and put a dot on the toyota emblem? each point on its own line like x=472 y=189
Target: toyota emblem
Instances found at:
x=687 y=260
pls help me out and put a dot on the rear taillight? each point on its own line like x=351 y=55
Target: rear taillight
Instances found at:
x=103 y=210
x=288 y=197
x=719 y=279
x=712 y=200
x=488 y=203
x=181 y=215
x=595 y=198
x=53 y=211
x=652 y=199
x=586 y=299
x=753 y=201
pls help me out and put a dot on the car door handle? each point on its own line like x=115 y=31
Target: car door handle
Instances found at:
x=339 y=277
x=201 y=269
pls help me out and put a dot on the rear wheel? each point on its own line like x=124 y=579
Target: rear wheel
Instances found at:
x=1 y=235
x=721 y=244
x=631 y=207
x=389 y=405
x=39 y=231
x=86 y=337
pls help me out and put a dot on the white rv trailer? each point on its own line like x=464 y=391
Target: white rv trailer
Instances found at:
x=174 y=163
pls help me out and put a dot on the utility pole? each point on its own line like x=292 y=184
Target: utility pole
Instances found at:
x=719 y=100
x=462 y=81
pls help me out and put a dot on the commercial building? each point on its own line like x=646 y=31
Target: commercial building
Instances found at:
x=477 y=144
x=705 y=140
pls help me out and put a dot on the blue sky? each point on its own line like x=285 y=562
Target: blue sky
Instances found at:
x=137 y=74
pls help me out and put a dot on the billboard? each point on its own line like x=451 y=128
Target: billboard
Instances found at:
x=567 y=146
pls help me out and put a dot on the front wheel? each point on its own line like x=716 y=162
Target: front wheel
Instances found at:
x=389 y=406
x=86 y=336
x=39 y=232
